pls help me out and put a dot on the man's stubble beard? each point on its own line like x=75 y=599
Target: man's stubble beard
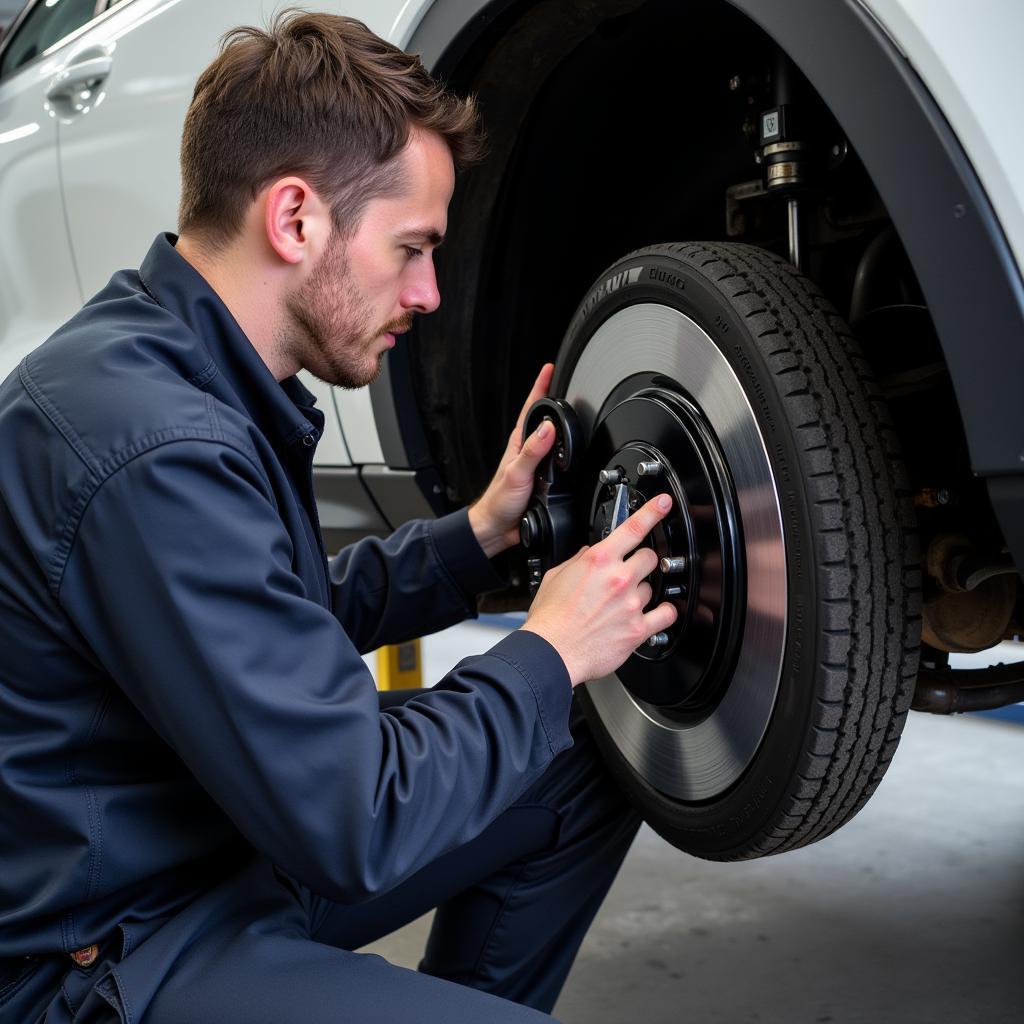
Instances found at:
x=330 y=324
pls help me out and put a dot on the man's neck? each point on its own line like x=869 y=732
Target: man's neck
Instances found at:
x=249 y=295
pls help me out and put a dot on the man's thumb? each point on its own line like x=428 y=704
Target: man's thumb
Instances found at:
x=538 y=444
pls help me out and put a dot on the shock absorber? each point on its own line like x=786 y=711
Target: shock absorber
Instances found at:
x=786 y=153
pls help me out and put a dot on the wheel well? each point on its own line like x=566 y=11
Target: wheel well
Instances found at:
x=612 y=125
x=583 y=167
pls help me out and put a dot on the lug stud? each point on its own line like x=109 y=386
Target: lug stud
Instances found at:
x=658 y=640
x=610 y=476
x=649 y=468
x=674 y=564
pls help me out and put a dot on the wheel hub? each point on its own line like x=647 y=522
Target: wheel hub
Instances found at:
x=698 y=543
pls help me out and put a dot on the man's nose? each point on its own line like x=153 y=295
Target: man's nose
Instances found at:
x=421 y=294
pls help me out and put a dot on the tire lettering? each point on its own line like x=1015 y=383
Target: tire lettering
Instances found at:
x=756 y=384
x=609 y=285
x=666 y=277
x=739 y=820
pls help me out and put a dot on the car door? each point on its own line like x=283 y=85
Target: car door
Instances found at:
x=38 y=284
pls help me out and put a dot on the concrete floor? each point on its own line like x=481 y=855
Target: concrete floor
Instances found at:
x=911 y=914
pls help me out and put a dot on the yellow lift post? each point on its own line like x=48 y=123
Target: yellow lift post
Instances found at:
x=399 y=666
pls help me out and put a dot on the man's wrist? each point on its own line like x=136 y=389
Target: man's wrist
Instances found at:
x=487 y=535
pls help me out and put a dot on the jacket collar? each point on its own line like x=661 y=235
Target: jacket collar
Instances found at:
x=281 y=410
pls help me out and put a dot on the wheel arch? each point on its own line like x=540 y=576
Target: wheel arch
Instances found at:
x=921 y=172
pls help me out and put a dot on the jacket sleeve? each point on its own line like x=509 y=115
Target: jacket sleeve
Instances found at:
x=422 y=578
x=180 y=580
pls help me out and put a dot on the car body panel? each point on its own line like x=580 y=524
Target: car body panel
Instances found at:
x=31 y=217
x=971 y=66
x=113 y=208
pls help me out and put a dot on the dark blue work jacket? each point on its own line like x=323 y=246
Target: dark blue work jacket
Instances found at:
x=180 y=670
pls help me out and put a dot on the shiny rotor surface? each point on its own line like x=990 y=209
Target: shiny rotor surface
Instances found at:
x=696 y=761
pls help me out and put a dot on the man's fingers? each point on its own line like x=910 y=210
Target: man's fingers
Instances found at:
x=535 y=447
x=539 y=390
x=643 y=562
x=659 y=619
x=624 y=538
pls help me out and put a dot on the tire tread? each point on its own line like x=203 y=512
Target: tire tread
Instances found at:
x=867 y=557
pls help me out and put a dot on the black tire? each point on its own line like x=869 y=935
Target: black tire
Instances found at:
x=848 y=653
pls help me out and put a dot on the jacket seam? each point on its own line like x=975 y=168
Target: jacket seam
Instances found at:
x=54 y=415
x=202 y=377
x=205 y=375
x=536 y=696
x=92 y=804
x=95 y=847
x=129 y=1013
x=117 y=462
x=68 y=934
x=447 y=573
x=215 y=426
x=151 y=293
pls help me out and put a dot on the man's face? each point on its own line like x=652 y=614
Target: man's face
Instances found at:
x=366 y=289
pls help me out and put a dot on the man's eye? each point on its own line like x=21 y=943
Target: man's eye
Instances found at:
x=412 y=252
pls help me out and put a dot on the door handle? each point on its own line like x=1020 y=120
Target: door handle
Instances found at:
x=86 y=74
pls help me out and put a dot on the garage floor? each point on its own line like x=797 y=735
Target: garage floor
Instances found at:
x=912 y=914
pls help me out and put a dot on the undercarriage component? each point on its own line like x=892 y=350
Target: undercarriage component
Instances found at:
x=954 y=691
x=549 y=531
x=785 y=156
x=970 y=600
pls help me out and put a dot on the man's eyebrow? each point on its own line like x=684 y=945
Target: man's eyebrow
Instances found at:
x=431 y=235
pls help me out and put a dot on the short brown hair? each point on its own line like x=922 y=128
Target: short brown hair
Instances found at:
x=317 y=95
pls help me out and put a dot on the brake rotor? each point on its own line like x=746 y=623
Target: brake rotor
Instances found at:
x=690 y=714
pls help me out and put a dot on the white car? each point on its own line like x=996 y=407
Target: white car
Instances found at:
x=776 y=249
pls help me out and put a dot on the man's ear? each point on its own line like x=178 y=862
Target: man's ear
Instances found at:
x=297 y=222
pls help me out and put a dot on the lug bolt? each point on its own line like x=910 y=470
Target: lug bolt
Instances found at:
x=610 y=476
x=674 y=564
x=658 y=640
x=649 y=468
x=673 y=591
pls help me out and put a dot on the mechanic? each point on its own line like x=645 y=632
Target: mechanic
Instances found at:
x=206 y=805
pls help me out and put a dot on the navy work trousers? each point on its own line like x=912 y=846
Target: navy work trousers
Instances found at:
x=512 y=909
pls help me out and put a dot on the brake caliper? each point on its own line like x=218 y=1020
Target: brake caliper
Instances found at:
x=549 y=530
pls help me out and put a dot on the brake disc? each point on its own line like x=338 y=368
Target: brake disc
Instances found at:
x=654 y=407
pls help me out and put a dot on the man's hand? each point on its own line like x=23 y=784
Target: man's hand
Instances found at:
x=591 y=607
x=495 y=517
